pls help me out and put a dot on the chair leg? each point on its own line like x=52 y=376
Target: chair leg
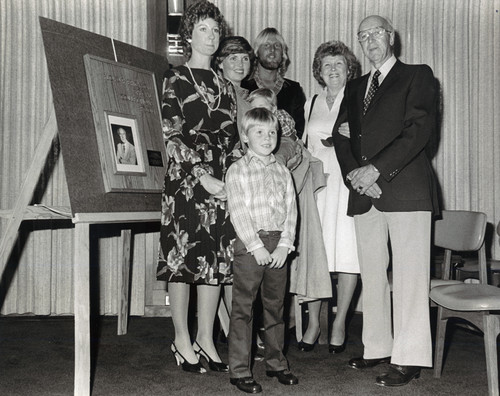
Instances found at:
x=439 y=347
x=491 y=331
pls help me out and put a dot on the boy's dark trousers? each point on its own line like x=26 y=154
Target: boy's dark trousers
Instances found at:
x=248 y=276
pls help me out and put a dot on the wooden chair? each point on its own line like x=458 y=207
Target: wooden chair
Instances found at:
x=475 y=303
x=450 y=234
x=470 y=268
x=456 y=231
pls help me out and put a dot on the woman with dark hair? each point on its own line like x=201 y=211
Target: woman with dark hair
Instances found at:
x=234 y=60
x=334 y=64
x=196 y=236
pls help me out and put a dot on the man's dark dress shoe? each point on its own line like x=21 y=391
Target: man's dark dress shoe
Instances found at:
x=285 y=377
x=360 y=363
x=398 y=376
x=246 y=384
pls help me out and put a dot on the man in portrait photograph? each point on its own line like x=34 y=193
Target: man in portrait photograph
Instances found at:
x=125 y=151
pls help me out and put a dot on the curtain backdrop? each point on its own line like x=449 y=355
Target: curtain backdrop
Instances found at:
x=459 y=39
x=40 y=274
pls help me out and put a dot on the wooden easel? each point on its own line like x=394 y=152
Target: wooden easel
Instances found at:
x=68 y=45
x=82 y=285
x=81 y=280
x=23 y=211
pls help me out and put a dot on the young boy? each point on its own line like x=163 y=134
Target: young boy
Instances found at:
x=290 y=147
x=261 y=202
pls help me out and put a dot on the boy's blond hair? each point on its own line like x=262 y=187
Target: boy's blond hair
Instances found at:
x=265 y=93
x=258 y=116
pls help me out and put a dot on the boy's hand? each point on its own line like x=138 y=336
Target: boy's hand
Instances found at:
x=279 y=257
x=262 y=256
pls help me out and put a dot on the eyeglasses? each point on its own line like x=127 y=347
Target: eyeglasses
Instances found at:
x=376 y=33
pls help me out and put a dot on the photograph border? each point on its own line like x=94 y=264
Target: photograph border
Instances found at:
x=129 y=121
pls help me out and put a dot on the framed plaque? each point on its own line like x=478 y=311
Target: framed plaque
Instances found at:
x=127 y=120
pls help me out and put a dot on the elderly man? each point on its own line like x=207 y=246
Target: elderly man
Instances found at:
x=125 y=151
x=272 y=63
x=391 y=116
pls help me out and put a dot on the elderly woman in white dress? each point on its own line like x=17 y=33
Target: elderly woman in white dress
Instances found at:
x=334 y=64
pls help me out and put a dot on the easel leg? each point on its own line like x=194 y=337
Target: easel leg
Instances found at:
x=82 y=309
x=39 y=158
x=123 y=283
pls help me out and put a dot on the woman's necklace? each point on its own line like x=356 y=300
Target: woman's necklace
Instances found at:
x=203 y=91
x=330 y=99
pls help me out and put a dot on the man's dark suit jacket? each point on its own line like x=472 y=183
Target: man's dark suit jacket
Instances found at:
x=391 y=136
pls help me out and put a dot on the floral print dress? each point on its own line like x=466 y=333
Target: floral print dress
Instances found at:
x=196 y=236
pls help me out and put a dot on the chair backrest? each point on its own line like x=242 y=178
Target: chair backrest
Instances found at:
x=460 y=231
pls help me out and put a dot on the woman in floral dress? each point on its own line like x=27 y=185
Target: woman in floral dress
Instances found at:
x=199 y=128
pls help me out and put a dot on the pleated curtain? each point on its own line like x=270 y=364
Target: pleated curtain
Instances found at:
x=458 y=39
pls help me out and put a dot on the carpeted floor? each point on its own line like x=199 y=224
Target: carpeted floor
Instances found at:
x=36 y=358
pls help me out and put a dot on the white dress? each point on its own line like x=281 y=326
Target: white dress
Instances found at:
x=338 y=228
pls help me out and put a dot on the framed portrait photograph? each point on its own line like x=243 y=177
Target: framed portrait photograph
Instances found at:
x=126 y=144
x=127 y=120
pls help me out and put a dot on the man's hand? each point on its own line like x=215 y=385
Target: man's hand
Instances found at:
x=374 y=191
x=279 y=257
x=363 y=178
x=262 y=256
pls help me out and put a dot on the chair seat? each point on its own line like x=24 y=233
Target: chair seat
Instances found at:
x=444 y=282
x=467 y=297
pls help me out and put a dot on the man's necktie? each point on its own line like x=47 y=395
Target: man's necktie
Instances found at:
x=371 y=91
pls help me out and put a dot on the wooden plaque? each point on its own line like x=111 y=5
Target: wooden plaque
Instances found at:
x=127 y=120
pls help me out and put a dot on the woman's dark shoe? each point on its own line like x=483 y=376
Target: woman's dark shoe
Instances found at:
x=260 y=354
x=186 y=366
x=214 y=366
x=306 y=347
x=335 y=349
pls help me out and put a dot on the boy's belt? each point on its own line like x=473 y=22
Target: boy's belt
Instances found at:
x=269 y=233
